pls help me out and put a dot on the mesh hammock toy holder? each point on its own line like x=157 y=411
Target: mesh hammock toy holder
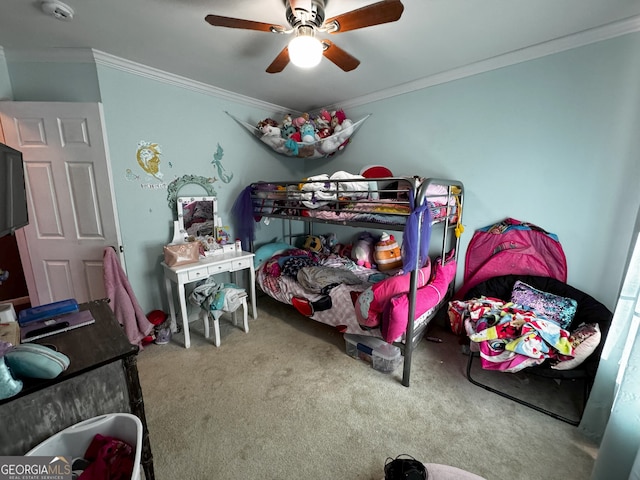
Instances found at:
x=323 y=148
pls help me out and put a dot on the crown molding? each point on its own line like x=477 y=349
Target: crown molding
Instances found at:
x=134 y=68
x=568 y=42
x=86 y=55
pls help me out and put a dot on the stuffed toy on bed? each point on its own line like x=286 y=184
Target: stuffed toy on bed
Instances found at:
x=362 y=251
x=387 y=253
x=320 y=243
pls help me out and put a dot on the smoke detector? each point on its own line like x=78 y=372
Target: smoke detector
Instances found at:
x=57 y=9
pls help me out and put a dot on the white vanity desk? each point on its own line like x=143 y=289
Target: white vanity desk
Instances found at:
x=193 y=272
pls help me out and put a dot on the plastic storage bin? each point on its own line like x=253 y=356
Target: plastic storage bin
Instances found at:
x=382 y=356
x=73 y=441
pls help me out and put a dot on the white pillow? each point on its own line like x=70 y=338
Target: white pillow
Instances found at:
x=585 y=339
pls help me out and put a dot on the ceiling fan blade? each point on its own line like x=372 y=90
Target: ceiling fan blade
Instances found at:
x=338 y=56
x=375 y=14
x=281 y=61
x=218 y=21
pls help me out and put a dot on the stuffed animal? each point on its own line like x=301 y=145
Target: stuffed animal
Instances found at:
x=320 y=243
x=362 y=251
x=324 y=132
x=329 y=145
x=337 y=118
x=313 y=243
x=301 y=120
x=342 y=250
x=267 y=129
x=346 y=130
x=387 y=253
x=308 y=133
x=287 y=131
x=323 y=120
x=274 y=140
x=329 y=242
x=267 y=121
x=291 y=146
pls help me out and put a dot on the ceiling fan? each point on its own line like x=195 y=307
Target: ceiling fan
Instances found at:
x=306 y=19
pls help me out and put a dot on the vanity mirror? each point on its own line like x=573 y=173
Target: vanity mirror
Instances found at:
x=197 y=216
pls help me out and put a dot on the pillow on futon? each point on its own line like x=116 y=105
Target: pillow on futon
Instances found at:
x=584 y=339
x=560 y=310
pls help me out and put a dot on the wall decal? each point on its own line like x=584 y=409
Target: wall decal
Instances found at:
x=174 y=187
x=217 y=162
x=148 y=156
x=129 y=175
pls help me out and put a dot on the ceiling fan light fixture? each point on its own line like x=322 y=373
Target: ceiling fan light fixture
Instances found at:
x=305 y=50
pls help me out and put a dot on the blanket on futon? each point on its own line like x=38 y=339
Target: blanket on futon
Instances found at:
x=511 y=337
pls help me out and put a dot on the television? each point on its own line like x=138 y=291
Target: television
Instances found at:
x=13 y=195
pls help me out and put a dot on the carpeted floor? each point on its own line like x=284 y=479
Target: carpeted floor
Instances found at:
x=285 y=401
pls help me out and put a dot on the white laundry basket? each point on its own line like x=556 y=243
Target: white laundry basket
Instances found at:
x=74 y=440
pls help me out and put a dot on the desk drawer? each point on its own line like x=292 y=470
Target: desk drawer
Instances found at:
x=218 y=268
x=197 y=274
x=241 y=264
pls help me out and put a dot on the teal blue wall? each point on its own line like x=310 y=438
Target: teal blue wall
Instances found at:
x=65 y=81
x=188 y=125
x=553 y=141
x=5 y=82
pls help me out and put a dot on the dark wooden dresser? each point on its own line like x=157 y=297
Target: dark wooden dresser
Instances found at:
x=102 y=378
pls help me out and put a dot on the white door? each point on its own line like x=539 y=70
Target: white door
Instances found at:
x=72 y=215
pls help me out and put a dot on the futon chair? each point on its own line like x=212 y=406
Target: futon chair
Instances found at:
x=589 y=310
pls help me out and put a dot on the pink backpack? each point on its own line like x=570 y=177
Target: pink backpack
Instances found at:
x=512 y=247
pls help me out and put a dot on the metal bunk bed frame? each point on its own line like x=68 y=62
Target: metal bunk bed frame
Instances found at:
x=292 y=212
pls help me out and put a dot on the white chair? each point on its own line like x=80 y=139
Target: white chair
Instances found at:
x=216 y=323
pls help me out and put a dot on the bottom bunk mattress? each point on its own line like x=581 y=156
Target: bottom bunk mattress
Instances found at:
x=336 y=291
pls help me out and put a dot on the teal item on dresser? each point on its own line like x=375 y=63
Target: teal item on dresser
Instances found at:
x=32 y=360
x=9 y=386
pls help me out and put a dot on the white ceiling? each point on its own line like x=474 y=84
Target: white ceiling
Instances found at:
x=431 y=37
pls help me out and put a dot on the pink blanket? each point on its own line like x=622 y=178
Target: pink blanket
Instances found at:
x=124 y=304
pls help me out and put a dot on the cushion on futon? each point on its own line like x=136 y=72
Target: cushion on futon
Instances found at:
x=584 y=339
x=588 y=310
x=554 y=307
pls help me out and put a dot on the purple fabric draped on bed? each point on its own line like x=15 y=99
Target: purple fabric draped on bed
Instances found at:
x=410 y=245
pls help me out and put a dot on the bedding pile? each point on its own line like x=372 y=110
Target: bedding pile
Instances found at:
x=511 y=337
x=335 y=290
x=347 y=197
x=529 y=329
